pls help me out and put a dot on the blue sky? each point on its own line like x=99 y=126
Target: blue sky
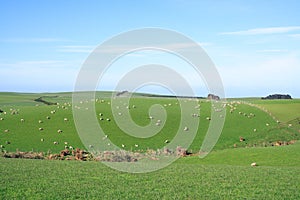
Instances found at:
x=255 y=45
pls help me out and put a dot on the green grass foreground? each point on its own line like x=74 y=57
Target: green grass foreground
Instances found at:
x=225 y=174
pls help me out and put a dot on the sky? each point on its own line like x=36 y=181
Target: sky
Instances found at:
x=254 y=45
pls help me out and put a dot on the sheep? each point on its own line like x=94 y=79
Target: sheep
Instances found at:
x=55 y=143
x=186 y=129
x=158 y=121
x=151 y=117
x=66 y=143
x=290 y=125
x=101 y=118
x=242 y=139
x=22 y=120
x=59 y=131
x=65 y=119
x=254 y=164
x=167 y=141
x=40 y=129
x=208 y=118
x=91 y=146
x=157 y=124
x=42 y=139
x=267 y=124
x=108 y=144
x=136 y=145
x=119 y=114
x=1 y=119
x=108 y=119
x=134 y=106
x=47 y=117
x=254 y=130
x=6 y=131
x=100 y=114
x=40 y=121
x=123 y=145
x=52 y=111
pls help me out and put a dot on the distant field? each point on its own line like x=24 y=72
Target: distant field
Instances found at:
x=257 y=127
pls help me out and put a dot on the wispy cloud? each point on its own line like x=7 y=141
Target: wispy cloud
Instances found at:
x=32 y=40
x=296 y=36
x=272 y=51
x=263 y=31
x=76 y=48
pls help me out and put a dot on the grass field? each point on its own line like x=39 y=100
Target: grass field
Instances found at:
x=224 y=174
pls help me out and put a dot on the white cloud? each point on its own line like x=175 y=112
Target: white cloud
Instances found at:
x=272 y=51
x=32 y=40
x=76 y=49
x=263 y=31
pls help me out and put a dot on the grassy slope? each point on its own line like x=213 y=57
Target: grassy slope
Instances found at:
x=26 y=136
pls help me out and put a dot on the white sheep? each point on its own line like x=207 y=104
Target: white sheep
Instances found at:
x=123 y=145
x=6 y=130
x=47 y=117
x=108 y=119
x=167 y=141
x=254 y=164
x=42 y=139
x=40 y=121
x=65 y=119
x=186 y=129
x=40 y=129
x=55 y=143
x=1 y=119
x=59 y=131
x=136 y=145
x=254 y=130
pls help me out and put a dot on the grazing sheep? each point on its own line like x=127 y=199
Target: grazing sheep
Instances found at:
x=1 y=119
x=40 y=129
x=42 y=139
x=104 y=137
x=133 y=106
x=290 y=125
x=6 y=131
x=108 y=144
x=101 y=118
x=123 y=145
x=59 y=131
x=66 y=143
x=208 y=118
x=119 y=114
x=186 y=129
x=242 y=139
x=254 y=164
x=167 y=141
x=22 y=120
x=136 y=145
x=47 y=117
x=151 y=117
x=55 y=143
x=40 y=121
x=91 y=146
x=267 y=124
x=108 y=119
x=52 y=111
x=65 y=119
x=157 y=124
x=158 y=121
x=254 y=130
